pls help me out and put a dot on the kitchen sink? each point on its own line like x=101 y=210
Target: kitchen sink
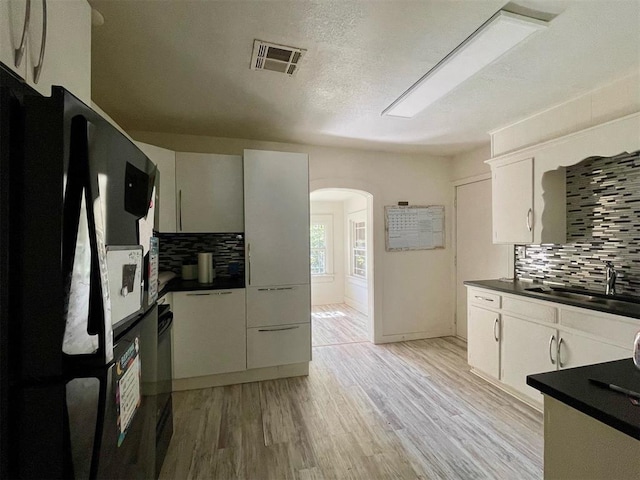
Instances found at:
x=588 y=296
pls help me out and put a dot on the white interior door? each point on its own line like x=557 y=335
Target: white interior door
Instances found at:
x=477 y=257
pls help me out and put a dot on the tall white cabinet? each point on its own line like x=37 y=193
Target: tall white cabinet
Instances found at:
x=276 y=202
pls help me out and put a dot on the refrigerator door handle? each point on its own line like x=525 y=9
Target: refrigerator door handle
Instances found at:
x=88 y=327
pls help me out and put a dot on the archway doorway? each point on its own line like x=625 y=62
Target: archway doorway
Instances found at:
x=341 y=266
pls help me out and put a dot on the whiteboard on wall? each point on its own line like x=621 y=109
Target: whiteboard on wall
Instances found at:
x=413 y=227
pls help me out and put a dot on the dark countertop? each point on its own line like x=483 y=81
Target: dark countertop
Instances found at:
x=573 y=388
x=517 y=287
x=219 y=283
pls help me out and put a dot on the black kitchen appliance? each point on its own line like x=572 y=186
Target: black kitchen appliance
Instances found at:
x=78 y=330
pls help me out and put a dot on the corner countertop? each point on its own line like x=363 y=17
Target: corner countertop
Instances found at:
x=517 y=287
x=573 y=388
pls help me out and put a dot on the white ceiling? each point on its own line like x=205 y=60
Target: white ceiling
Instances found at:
x=183 y=67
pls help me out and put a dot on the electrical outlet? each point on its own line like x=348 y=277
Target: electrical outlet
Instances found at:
x=521 y=251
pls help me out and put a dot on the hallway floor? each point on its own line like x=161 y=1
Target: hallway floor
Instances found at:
x=337 y=324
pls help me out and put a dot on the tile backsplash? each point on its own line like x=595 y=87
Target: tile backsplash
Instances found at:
x=178 y=248
x=603 y=224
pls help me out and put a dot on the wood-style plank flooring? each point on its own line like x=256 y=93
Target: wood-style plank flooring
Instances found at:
x=337 y=324
x=404 y=410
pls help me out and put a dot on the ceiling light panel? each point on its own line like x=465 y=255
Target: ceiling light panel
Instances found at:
x=494 y=38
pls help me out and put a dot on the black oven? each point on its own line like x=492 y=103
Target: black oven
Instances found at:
x=164 y=412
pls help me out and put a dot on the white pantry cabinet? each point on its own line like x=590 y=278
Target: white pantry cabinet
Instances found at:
x=62 y=56
x=277 y=258
x=165 y=160
x=512 y=201
x=276 y=198
x=209 y=190
x=209 y=332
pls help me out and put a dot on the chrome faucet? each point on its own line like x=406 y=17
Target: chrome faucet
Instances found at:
x=610 y=279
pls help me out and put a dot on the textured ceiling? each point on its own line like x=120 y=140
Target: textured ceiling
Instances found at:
x=183 y=67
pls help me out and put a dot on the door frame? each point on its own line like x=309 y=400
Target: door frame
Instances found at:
x=454 y=239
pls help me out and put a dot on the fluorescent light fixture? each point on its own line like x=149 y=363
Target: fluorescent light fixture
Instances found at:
x=495 y=37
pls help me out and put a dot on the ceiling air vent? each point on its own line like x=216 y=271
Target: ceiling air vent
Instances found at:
x=277 y=58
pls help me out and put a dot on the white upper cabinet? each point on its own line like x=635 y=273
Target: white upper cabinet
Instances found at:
x=55 y=36
x=209 y=193
x=165 y=160
x=512 y=200
x=13 y=34
x=276 y=201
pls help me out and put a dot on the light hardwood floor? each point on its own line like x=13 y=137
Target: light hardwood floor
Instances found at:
x=337 y=324
x=405 y=410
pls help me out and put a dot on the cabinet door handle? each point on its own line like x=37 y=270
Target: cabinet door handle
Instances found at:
x=249 y=263
x=551 y=340
x=486 y=299
x=180 y=209
x=275 y=289
x=19 y=52
x=529 y=212
x=495 y=334
x=278 y=329
x=559 y=355
x=43 y=44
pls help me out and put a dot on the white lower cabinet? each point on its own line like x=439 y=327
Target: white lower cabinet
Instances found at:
x=484 y=340
x=281 y=305
x=512 y=336
x=527 y=348
x=209 y=332
x=278 y=345
x=577 y=350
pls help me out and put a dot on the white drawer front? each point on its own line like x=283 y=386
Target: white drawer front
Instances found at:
x=483 y=298
x=530 y=310
x=278 y=305
x=618 y=330
x=271 y=346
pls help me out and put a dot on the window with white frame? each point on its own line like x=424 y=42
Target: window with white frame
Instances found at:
x=358 y=251
x=321 y=242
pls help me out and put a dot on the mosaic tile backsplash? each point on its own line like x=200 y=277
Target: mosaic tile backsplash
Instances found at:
x=603 y=223
x=179 y=248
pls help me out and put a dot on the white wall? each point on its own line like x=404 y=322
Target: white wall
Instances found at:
x=412 y=294
x=471 y=164
x=328 y=289
x=356 y=293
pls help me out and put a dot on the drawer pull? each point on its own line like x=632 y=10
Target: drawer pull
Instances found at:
x=275 y=289
x=279 y=329
x=486 y=299
x=19 y=52
x=559 y=356
x=198 y=294
x=551 y=340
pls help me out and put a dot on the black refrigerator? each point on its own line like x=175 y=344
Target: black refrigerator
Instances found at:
x=78 y=320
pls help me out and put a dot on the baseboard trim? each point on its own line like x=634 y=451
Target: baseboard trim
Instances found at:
x=246 y=376
x=413 y=336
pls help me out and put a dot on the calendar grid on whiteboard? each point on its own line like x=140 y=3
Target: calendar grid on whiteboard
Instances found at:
x=413 y=227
